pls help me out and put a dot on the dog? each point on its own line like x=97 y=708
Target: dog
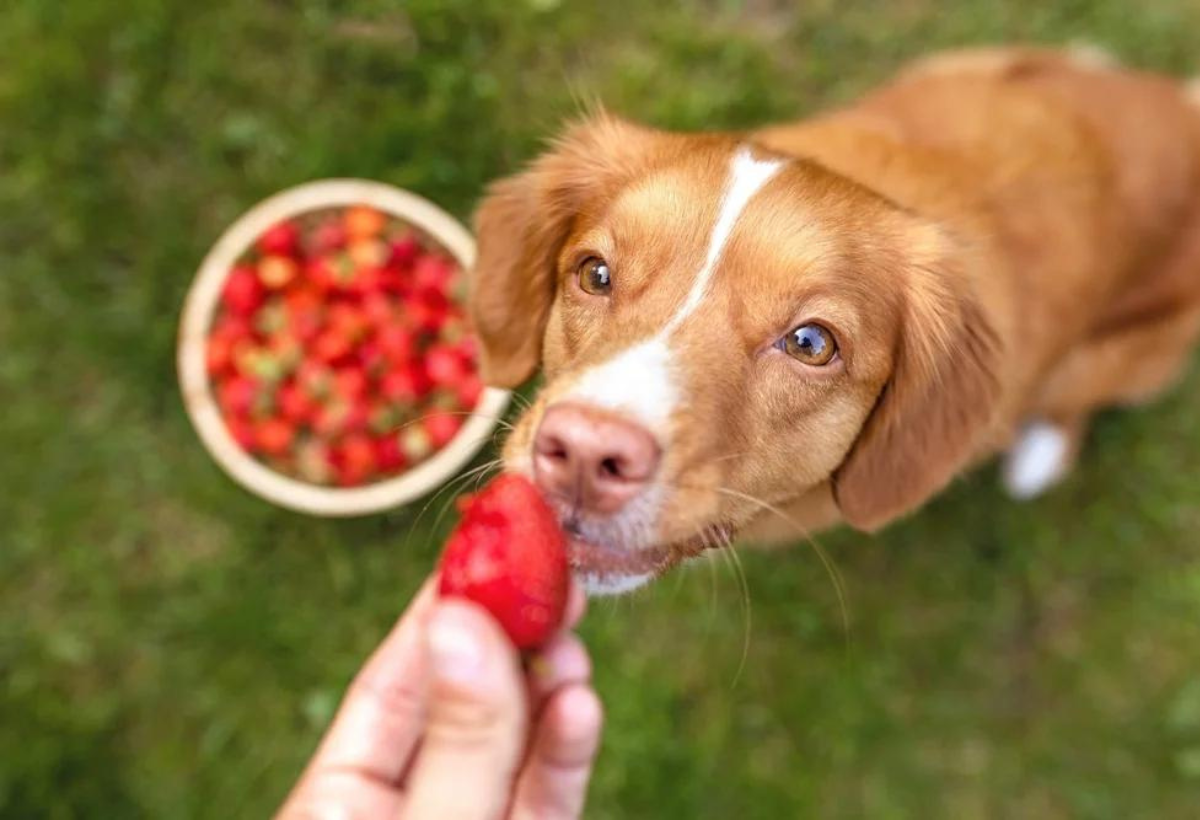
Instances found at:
x=831 y=319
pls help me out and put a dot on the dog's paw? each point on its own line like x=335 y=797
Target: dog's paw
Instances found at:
x=1038 y=459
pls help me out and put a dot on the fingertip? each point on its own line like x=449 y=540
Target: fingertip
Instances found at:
x=574 y=719
x=576 y=604
x=466 y=646
x=562 y=661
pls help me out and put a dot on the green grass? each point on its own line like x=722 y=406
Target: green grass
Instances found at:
x=172 y=647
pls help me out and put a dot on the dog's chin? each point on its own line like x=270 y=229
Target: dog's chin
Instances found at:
x=604 y=570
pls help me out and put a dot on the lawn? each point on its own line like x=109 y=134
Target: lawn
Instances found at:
x=172 y=647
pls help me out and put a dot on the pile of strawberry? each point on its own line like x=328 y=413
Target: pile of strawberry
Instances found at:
x=339 y=352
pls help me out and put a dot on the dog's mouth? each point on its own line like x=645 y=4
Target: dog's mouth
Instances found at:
x=609 y=570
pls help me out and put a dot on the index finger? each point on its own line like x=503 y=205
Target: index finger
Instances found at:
x=380 y=720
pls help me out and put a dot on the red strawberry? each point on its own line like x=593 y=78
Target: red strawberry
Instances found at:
x=331 y=346
x=320 y=273
x=509 y=555
x=445 y=365
x=442 y=427
x=350 y=383
x=294 y=404
x=370 y=354
x=378 y=309
x=406 y=384
x=396 y=342
x=329 y=236
x=277 y=272
x=281 y=239
x=218 y=355
x=232 y=327
x=363 y=222
x=242 y=432
x=348 y=321
x=469 y=390
x=432 y=272
x=354 y=459
x=305 y=312
x=388 y=455
x=425 y=317
x=404 y=252
x=274 y=436
x=237 y=396
x=367 y=279
x=358 y=416
x=392 y=281
x=437 y=300
x=242 y=293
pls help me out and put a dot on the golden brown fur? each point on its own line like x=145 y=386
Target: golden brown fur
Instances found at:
x=995 y=236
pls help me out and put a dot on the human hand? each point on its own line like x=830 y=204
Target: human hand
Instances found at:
x=444 y=722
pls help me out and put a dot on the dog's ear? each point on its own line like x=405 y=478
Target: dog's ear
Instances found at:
x=938 y=407
x=521 y=226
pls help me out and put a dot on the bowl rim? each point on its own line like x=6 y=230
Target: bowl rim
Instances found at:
x=200 y=305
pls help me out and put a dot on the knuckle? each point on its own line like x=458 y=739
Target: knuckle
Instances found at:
x=390 y=697
x=468 y=723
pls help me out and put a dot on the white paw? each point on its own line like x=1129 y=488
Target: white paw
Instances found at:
x=1192 y=90
x=1092 y=55
x=1037 y=461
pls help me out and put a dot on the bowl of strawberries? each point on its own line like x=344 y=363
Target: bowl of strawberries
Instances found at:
x=325 y=356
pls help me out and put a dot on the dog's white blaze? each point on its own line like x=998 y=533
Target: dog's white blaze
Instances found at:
x=1036 y=461
x=640 y=381
x=636 y=382
x=747 y=176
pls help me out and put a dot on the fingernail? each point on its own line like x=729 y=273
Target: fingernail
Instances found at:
x=456 y=651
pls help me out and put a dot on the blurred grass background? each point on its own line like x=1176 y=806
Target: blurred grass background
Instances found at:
x=172 y=647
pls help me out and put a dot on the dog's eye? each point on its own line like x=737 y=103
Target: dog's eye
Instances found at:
x=811 y=344
x=594 y=277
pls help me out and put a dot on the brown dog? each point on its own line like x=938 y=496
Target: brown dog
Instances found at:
x=835 y=317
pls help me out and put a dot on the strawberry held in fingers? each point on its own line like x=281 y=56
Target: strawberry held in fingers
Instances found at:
x=509 y=555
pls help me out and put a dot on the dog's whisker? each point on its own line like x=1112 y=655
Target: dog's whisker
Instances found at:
x=456 y=484
x=729 y=457
x=469 y=413
x=826 y=560
x=522 y=402
x=730 y=555
x=712 y=583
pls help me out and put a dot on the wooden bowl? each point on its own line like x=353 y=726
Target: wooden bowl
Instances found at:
x=197 y=317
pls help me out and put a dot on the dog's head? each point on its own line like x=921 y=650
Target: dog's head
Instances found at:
x=721 y=328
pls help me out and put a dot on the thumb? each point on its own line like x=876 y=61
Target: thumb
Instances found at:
x=477 y=720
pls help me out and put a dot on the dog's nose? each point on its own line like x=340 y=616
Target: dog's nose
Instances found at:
x=592 y=458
